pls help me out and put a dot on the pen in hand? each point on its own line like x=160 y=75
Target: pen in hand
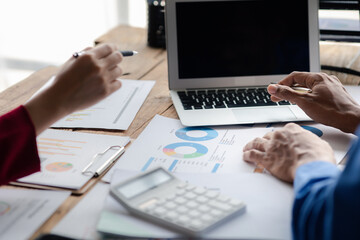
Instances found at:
x=299 y=89
x=128 y=53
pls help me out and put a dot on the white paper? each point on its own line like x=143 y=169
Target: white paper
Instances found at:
x=22 y=212
x=64 y=155
x=117 y=111
x=268 y=208
x=165 y=142
x=81 y=221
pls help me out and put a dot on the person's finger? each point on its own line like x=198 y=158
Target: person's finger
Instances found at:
x=114 y=73
x=114 y=85
x=257 y=143
x=304 y=79
x=103 y=50
x=254 y=156
x=275 y=99
x=112 y=59
x=285 y=92
x=268 y=135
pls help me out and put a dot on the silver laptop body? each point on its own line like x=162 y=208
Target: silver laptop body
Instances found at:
x=235 y=45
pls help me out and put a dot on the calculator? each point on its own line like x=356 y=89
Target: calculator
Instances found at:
x=162 y=198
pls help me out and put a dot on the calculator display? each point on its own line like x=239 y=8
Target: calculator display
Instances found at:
x=144 y=183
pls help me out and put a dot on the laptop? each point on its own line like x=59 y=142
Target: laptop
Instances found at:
x=222 y=54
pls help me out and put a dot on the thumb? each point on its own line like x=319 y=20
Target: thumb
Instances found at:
x=283 y=92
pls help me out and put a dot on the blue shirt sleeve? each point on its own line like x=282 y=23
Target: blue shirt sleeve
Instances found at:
x=327 y=202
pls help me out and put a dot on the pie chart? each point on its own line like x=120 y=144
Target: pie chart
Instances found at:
x=185 y=150
x=196 y=134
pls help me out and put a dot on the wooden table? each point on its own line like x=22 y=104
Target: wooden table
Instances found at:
x=149 y=64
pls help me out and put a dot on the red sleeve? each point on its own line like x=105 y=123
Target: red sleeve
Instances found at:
x=18 y=151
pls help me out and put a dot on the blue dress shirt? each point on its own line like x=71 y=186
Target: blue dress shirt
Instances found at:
x=327 y=201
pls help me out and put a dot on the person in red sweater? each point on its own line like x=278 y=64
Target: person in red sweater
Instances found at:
x=82 y=81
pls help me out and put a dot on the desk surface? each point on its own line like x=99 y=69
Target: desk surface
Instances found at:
x=149 y=64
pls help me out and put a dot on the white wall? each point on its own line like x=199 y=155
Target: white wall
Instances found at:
x=48 y=31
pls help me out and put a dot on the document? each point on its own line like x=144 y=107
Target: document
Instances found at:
x=166 y=142
x=117 y=111
x=81 y=221
x=22 y=212
x=268 y=208
x=64 y=155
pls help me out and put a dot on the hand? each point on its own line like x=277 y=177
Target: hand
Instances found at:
x=283 y=151
x=80 y=83
x=327 y=103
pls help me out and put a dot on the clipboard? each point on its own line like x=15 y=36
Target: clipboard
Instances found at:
x=92 y=169
x=73 y=161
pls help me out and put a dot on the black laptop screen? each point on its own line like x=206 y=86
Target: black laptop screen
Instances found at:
x=242 y=38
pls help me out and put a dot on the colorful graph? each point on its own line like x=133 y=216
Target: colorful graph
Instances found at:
x=200 y=150
x=185 y=133
x=314 y=130
x=52 y=146
x=4 y=208
x=59 y=167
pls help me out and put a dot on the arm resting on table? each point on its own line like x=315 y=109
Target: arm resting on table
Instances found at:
x=327 y=202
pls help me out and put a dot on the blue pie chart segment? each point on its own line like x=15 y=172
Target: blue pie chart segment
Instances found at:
x=314 y=130
x=170 y=150
x=183 y=133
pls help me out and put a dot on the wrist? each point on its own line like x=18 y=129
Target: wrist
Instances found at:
x=353 y=120
x=45 y=109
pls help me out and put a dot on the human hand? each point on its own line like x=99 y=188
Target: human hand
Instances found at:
x=80 y=83
x=283 y=151
x=328 y=102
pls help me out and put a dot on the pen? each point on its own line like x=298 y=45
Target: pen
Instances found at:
x=299 y=89
x=128 y=53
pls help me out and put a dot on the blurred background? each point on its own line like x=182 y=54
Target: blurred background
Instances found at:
x=38 y=33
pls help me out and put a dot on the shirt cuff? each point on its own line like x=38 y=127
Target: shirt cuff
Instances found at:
x=313 y=172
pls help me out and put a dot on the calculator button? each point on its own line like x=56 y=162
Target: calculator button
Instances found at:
x=219 y=205
x=235 y=202
x=207 y=218
x=192 y=204
x=160 y=211
x=180 y=192
x=180 y=200
x=223 y=198
x=171 y=216
x=216 y=213
x=212 y=194
x=182 y=209
x=204 y=208
x=199 y=190
x=171 y=197
x=190 y=195
x=202 y=199
x=194 y=214
x=170 y=205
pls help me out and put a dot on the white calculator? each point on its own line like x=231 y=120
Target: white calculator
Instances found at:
x=160 y=197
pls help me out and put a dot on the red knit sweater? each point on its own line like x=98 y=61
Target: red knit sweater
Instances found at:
x=18 y=151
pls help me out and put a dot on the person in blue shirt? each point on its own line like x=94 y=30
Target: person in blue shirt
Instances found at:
x=327 y=200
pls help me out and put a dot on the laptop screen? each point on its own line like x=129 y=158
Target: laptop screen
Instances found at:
x=242 y=38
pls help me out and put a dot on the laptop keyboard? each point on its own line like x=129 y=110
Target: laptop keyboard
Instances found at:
x=227 y=98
